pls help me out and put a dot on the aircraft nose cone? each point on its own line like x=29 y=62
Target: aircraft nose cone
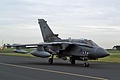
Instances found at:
x=102 y=53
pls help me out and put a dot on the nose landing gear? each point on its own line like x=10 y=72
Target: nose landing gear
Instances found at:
x=86 y=64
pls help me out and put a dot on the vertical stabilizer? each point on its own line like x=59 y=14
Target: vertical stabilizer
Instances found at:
x=48 y=35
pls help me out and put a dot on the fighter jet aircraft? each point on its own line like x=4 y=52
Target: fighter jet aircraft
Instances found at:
x=75 y=49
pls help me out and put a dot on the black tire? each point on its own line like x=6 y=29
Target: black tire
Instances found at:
x=72 y=61
x=50 y=61
x=86 y=64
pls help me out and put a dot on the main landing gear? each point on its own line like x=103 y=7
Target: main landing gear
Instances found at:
x=72 y=60
x=85 y=64
x=50 y=61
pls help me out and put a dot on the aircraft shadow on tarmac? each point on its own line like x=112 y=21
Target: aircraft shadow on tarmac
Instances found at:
x=66 y=64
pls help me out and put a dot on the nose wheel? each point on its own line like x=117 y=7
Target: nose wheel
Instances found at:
x=86 y=64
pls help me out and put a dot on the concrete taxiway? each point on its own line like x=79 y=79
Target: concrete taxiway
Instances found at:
x=26 y=68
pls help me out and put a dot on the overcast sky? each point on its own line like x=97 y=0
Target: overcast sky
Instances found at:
x=98 y=20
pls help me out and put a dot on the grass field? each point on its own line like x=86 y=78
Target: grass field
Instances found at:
x=114 y=55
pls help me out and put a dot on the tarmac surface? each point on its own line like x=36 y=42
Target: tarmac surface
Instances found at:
x=26 y=68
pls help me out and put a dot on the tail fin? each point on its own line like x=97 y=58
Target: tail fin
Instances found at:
x=48 y=35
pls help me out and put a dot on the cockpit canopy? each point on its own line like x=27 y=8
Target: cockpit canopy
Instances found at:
x=84 y=41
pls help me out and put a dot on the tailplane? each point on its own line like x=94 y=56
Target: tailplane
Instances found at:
x=48 y=35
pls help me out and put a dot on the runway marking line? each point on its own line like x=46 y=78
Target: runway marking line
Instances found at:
x=53 y=71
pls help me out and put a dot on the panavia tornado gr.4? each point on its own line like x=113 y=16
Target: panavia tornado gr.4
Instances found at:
x=74 y=49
